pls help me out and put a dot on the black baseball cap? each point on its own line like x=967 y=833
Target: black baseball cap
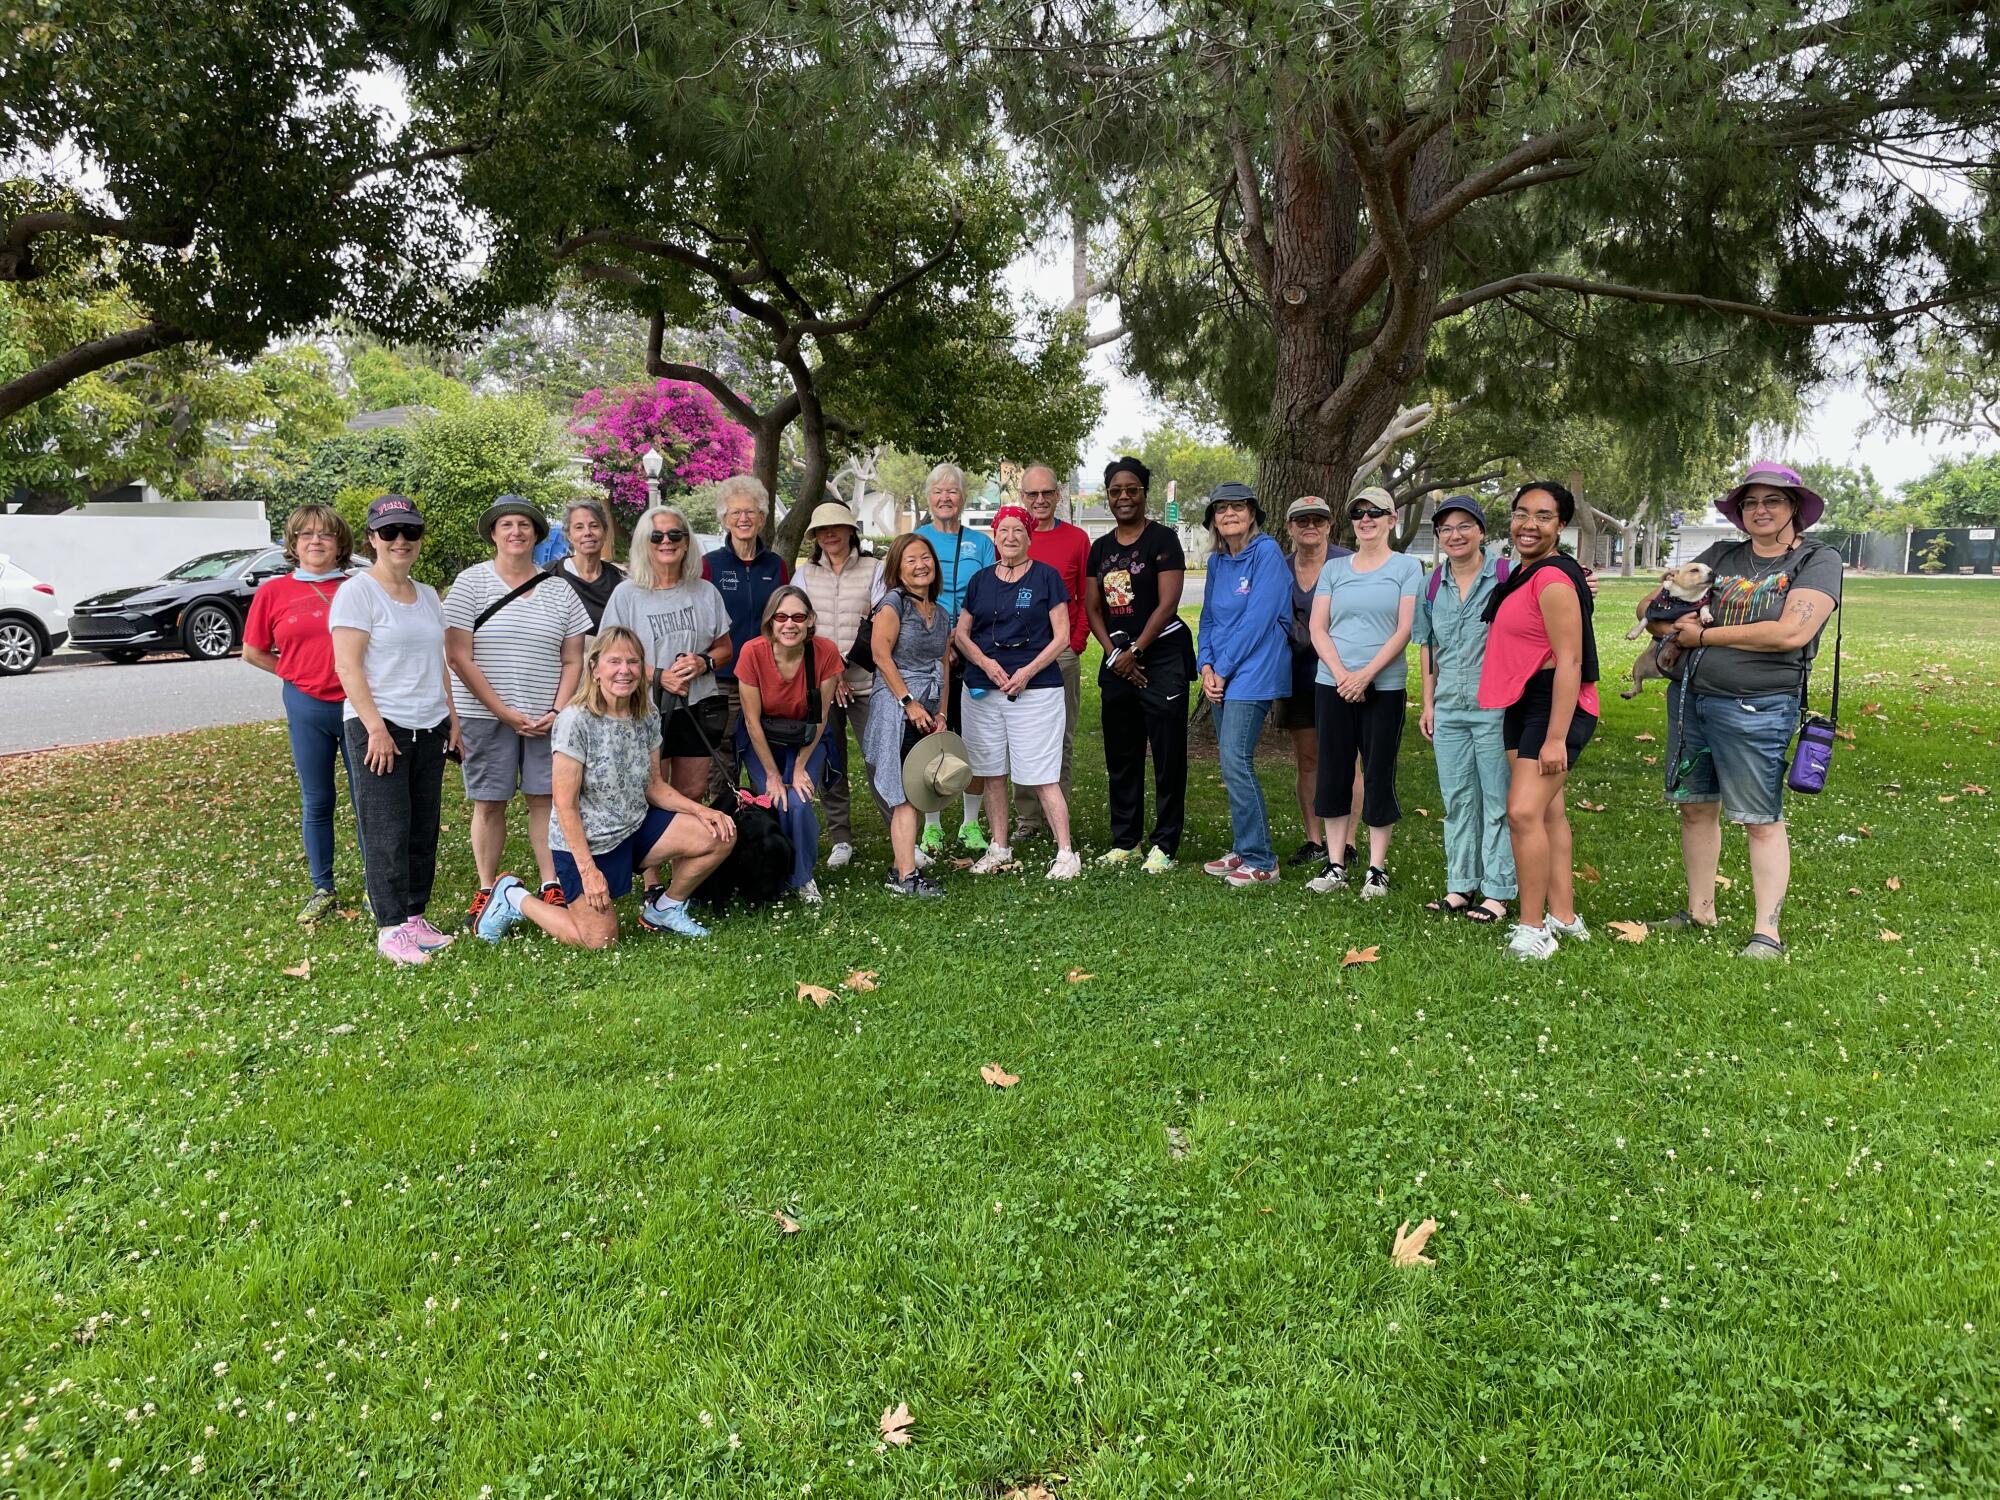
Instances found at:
x=393 y=510
x=1459 y=502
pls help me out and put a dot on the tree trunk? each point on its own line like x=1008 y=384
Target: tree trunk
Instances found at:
x=769 y=439
x=791 y=534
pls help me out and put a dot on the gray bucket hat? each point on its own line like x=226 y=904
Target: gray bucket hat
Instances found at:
x=513 y=505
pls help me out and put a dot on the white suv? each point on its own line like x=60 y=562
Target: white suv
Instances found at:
x=32 y=622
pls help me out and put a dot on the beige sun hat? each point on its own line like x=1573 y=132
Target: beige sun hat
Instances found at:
x=935 y=771
x=832 y=513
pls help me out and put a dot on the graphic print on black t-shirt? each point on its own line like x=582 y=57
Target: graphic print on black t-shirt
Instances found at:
x=1128 y=574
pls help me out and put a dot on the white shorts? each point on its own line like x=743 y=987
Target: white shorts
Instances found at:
x=1021 y=740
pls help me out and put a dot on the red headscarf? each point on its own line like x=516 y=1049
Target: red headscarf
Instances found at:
x=1016 y=511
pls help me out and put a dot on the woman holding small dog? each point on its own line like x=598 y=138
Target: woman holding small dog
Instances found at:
x=614 y=814
x=1541 y=670
x=786 y=678
x=1734 y=698
x=1473 y=774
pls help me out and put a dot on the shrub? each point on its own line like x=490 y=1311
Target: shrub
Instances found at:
x=698 y=440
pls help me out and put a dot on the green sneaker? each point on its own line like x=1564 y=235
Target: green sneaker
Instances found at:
x=321 y=903
x=932 y=839
x=1158 y=861
x=1116 y=856
x=972 y=838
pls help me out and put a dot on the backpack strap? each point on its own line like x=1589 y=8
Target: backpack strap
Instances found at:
x=508 y=598
x=1437 y=577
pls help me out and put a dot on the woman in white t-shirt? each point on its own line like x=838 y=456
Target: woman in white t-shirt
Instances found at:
x=388 y=650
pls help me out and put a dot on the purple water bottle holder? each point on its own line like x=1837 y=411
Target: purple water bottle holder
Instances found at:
x=1812 y=755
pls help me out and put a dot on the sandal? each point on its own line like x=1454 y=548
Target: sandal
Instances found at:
x=1484 y=914
x=1443 y=903
x=1763 y=947
x=1683 y=921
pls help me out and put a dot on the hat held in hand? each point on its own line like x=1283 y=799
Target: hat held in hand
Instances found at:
x=935 y=771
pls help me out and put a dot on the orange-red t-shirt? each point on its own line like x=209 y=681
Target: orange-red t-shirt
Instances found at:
x=780 y=699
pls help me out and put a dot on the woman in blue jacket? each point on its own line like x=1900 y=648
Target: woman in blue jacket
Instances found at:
x=1245 y=656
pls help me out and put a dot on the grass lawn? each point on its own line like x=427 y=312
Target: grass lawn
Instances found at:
x=1708 y=1229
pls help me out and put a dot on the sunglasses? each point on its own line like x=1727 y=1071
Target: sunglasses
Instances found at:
x=1125 y=491
x=675 y=535
x=788 y=617
x=1367 y=513
x=400 y=533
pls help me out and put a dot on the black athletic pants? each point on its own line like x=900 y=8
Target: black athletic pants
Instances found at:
x=1373 y=728
x=399 y=815
x=1135 y=721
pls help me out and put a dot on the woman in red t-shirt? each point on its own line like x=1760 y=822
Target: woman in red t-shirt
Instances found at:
x=1541 y=668
x=286 y=634
x=782 y=735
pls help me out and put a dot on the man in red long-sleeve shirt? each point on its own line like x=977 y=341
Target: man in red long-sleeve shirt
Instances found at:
x=1065 y=548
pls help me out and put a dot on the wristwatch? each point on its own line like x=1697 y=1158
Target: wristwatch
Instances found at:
x=906 y=700
x=707 y=661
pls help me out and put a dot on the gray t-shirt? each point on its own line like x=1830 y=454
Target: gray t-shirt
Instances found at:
x=1363 y=610
x=670 y=623
x=520 y=648
x=617 y=760
x=1749 y=589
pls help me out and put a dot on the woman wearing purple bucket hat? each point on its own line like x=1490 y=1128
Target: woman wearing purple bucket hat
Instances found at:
x=1737 y=686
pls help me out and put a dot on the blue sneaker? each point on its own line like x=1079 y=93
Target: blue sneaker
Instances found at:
x=669 y=915
x=500 y=913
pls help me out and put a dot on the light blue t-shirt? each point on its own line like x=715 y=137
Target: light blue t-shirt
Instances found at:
x=959 y=556
x=1362 y=609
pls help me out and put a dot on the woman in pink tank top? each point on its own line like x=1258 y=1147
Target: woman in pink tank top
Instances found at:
x=1541 y=668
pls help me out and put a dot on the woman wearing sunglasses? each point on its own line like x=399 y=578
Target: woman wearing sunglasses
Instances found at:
x=1361 y=619
x=680 y=619
x=786 y=678
x=388 y=651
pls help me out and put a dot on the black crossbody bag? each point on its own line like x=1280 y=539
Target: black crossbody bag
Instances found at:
x=796 y=734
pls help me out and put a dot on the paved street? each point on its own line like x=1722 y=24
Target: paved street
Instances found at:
x=77 y=699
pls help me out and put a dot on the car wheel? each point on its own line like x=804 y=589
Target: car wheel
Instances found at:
x=20 y=648
x=209 y=631
x=123 y=655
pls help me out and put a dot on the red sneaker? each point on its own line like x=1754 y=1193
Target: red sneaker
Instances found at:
x=478 y=905
x=552 y=894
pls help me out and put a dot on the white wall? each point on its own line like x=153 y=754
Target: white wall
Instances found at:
x=97 y=547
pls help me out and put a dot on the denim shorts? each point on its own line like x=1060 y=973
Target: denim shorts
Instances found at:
x=1732 y=751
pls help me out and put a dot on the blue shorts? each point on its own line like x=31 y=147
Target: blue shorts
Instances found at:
x=1732 y=751
x=617 y=863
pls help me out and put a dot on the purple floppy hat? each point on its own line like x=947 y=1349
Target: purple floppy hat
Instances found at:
x=1778 y=477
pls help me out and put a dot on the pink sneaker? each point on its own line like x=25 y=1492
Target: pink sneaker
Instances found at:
x=1243 y=876
x=1225 y=866
x=399 y=945
x=428 y=937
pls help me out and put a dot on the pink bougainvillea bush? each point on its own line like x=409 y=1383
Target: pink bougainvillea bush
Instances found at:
x=699 y=441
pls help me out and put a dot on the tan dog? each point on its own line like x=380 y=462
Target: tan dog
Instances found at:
x=1683 y=591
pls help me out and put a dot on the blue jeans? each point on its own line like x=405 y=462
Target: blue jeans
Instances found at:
x=1732 y=751
x=799 y=821
x=1239 y=722
x=317 y=736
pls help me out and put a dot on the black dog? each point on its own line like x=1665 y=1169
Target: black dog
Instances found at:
x=759 y=864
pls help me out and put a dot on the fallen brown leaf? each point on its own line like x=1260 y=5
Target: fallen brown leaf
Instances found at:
x=1973 y=791
x=785 y=1222
x=1030 y=1492
x=818 y=994
x=1893 y=883
x=1725 y=882
x=1589 y=873
x=1864 y=831
x=861 y=979
x=302 y=969
x=1871 y=708
x=1890 y=937
x=349 y=913
x=962 y=864
x=1629 y=932
x=1947 y=796
x=896 y=1423
x=1591 y=806
x=1077 y=976
x=998 y=1076
x=1643 y=737
x=1409 y=1247
x=1369 y=955
x=1423 y=812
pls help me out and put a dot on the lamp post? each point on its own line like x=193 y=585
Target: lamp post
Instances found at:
x=652 y=461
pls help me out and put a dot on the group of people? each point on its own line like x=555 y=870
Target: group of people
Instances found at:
x=619 y=705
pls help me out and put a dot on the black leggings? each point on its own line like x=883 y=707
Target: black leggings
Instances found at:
x=1373 y=728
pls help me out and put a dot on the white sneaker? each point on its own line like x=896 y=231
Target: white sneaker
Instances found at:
x=809 y=893
x=1158 y=861
x=1117 y=856
x=1331 y=877
x=924 y=861
x=1376 y=885
x=1067 y=865
x=994 y=858
x=1574 y=929
x=1531 y=942
x=840 y=856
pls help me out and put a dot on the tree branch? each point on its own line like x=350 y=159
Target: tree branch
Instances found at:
x=30 y=386
x=833 y=327
x=1539 y=281
x=1256 y=238
x=17 y=261
x=661 y=368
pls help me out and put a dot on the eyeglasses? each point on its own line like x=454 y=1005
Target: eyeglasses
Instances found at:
x=400 y=533
x=1040 y=494
x=1468 y=529
x=789 y=617
x=315 y=536
x=1124 y=491
x=1312 y=520
x=1367 y=513
x=1767 y=503
x=674 y=535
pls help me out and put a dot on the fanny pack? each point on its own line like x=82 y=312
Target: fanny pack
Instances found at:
x=796 y=734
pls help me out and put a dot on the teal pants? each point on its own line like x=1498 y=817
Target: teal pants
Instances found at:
x=1473 y=776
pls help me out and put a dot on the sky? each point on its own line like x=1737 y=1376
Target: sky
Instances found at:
x=1833 y=430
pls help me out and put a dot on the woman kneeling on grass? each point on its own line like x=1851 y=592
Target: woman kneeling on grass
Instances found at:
x=614 y=812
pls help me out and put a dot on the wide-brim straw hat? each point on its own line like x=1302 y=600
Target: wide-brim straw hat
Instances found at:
x=937 y=769
x=832 y=513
